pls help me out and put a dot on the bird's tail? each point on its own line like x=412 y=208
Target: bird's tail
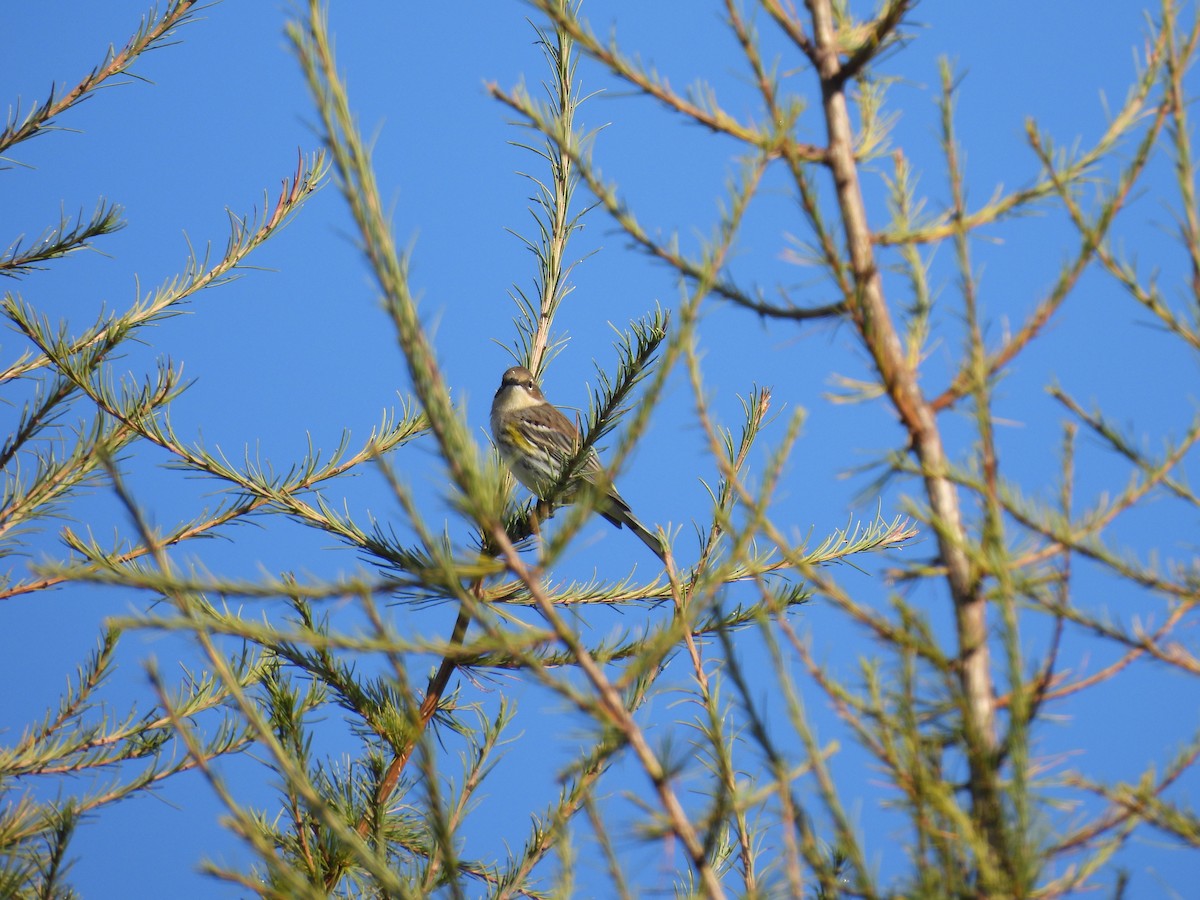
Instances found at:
x=619 y=514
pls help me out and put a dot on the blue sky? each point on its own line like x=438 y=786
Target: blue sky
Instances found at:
x=300 y=347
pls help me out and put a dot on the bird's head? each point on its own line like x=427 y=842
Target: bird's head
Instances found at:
x=517 y=390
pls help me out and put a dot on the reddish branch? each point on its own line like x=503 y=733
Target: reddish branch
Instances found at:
x=429 y=706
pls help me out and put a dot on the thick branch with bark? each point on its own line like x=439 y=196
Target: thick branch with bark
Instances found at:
x=870 y=313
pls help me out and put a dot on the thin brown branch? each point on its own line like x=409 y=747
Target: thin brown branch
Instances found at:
x=429 y=706
x=114 y=64
x=873 y=37
x=614 y=710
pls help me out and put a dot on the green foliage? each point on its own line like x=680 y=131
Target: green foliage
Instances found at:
x=736 y=780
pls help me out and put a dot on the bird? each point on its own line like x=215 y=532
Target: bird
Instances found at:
x=536 y=442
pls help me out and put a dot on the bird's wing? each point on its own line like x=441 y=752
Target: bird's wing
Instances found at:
x=562 y=434
x=554 y=429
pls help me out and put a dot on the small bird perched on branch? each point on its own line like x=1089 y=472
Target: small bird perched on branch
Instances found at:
x=537 y=442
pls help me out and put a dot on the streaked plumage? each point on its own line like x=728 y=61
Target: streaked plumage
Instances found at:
x=537 y=441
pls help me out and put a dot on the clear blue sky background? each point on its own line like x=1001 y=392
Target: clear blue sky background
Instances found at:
x=301 y=347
